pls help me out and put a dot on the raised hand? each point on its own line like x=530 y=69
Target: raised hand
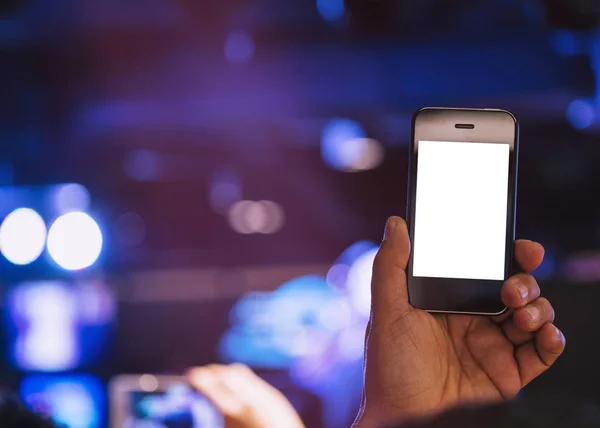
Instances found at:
x=418 y=363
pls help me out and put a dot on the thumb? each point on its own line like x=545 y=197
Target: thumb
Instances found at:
x=389 y=296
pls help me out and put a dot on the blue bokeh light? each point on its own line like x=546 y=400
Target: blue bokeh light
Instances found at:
x=225 y=190
x=54 y=326
x=239 y=48
x=548 y=267
x=337 y=148
x=565 y=43
x=70 y=197
x=356 y=250
x=274 y=329
x=312 y=326
x=581 y=114
x=77 y=401
x=331 y=10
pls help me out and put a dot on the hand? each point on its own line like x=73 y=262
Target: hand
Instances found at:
x=245 y=400
x=419 y=363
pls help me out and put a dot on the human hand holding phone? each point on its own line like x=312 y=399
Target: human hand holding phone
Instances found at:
x=245 y=400
x=418 y=362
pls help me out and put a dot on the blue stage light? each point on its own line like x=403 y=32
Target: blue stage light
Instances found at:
x=274 y=329
x=331 y=10
x=345 y=146
x=55 y=326
x=566 y=43
x=76 y=401
x=581 y=114
x=70 y=197
x=358 y=284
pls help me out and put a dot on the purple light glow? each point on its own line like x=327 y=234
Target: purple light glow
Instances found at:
x=48 y=323
x=45 y=315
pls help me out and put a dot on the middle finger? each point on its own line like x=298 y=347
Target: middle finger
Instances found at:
x=520 y=290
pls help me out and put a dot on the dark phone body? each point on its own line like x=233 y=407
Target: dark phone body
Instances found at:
x=449 y=295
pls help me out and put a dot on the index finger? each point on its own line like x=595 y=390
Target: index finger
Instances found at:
x=208 y=381
x=528 y=254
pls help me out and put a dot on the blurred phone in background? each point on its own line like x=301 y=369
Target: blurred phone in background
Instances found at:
x=149 y=401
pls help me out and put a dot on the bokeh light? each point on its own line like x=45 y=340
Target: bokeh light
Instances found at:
x=237 y=219
x=75 y=241
x=274 y=329
x=54 y=326
x=345 y=146
x=148 y=383
x=363 y=154
x=47 y=316
x=225 y=190
x=95 y=304
x=359 y=282
x=248 y=217
x=564 y=42
x=273 y=217
x=130 y=229
x=22 y=236
x=336 y=315
x=76 y=401
x=337 y=275
x=239 y=48
x=581 y=114
x=70 y=197
x=331 y=10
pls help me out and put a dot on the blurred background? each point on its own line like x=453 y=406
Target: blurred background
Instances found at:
x=185 y=182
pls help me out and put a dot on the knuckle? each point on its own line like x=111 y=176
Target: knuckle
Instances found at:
x=532 y=284
x=528 y=280
x=547 y=309
x=522 y=320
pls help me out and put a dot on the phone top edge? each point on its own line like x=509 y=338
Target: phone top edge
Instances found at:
x=465 y=109
x=492 y=109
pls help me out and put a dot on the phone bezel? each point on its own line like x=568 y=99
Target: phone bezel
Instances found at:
x=493 y=126
x=121 y=387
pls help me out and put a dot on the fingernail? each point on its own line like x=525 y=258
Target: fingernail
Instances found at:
x=533 y=312
x=390 y=225
x=522 y=289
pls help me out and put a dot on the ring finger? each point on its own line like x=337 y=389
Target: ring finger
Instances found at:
x=533 y=316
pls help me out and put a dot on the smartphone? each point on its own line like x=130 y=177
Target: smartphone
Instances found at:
x=154 y=401
x=462 y=190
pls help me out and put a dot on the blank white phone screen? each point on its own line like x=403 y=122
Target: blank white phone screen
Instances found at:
x=461 y=210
